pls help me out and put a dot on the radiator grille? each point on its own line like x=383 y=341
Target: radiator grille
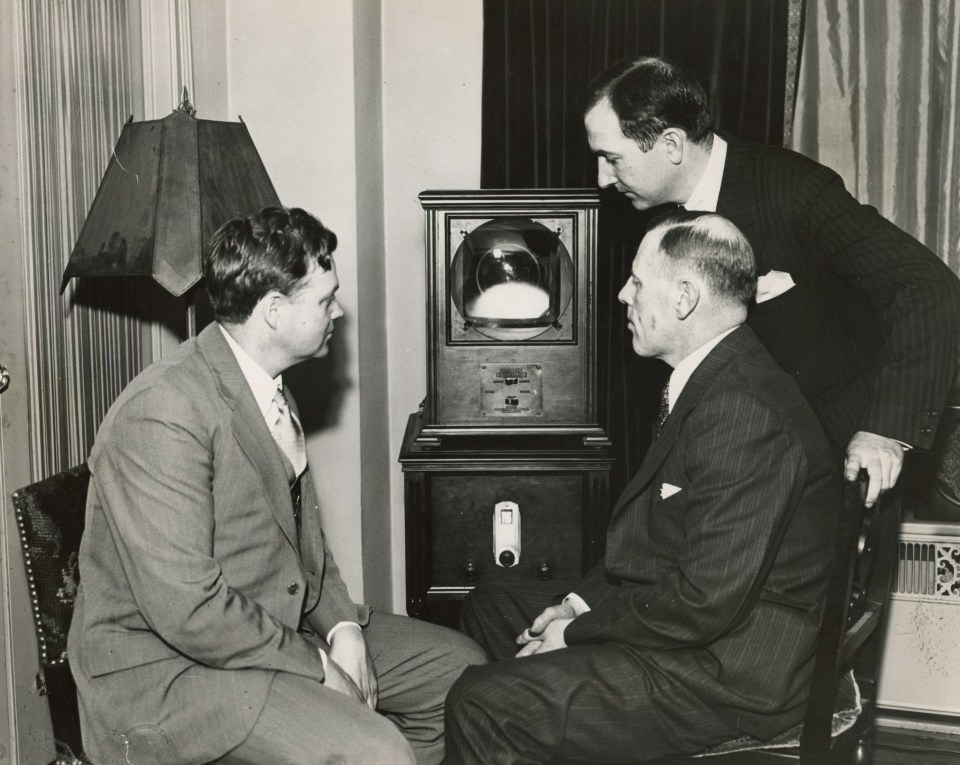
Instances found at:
x=929 y=570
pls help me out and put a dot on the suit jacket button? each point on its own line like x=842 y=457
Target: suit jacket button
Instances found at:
x=293 y=588
x=926 y=430
x=932 y=413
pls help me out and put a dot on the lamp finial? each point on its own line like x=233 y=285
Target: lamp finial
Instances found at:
x=185 y=105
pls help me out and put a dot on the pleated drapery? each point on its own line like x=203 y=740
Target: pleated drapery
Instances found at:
x=879 y=101
x=539 y=57
x=76 y=84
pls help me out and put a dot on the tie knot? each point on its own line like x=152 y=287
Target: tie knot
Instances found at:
x=280 y=400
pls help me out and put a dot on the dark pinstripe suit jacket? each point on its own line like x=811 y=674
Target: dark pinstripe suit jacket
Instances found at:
x=193 y=581
x=721 y=584
x=871 y=331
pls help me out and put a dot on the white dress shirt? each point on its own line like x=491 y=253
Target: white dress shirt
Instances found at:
x=707 y=191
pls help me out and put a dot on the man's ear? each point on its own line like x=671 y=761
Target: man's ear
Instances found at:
x=687 y=298
x=269 y=308
x=674 y=141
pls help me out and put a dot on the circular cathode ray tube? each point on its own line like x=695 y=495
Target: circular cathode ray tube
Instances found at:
x=509 y=286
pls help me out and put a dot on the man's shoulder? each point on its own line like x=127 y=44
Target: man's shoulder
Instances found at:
x=182 y=364
x=753 y=375
x=752 y=368
x=181 y=382
x=741 y=368
x=772 y=159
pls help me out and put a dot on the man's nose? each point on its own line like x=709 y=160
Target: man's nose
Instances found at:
x=622 y=296
x=605 y=175
x=337 y=311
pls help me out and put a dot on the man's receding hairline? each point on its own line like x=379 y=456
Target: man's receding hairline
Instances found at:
x=713 y=223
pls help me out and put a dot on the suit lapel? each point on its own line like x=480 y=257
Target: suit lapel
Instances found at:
x=702 y=378
x=249 y=427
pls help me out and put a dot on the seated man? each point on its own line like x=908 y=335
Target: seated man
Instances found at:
x=701 y=622
x=212 y=622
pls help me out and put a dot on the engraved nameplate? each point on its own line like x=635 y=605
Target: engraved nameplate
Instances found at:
x=511 y=390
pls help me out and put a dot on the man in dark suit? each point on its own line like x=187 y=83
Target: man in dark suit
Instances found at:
x=701 y=622
x=212 y=622
x=864 y=317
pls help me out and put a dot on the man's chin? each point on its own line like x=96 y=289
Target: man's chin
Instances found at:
x=323 y=350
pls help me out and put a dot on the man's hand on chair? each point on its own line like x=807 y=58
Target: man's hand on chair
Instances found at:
x=880 y=456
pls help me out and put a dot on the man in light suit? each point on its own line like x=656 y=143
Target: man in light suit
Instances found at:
x=864 y=317
x=212 y=622
x=701 y=622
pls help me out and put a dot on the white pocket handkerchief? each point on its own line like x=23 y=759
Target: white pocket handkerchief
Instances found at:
x=668 y=490
x=773 y=284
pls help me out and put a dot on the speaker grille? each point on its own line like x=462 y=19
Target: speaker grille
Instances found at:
x=930 y=570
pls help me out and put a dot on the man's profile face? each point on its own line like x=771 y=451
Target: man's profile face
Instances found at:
x=309 y=313
x=650 y=301
x=643 y=176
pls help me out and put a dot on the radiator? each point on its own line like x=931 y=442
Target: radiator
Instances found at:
x=920 y=666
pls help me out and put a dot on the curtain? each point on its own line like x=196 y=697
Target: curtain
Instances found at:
x=539 y=57
x=878 y=100
x=75 y=71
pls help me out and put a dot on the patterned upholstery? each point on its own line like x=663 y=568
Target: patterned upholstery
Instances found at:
x=50 y=516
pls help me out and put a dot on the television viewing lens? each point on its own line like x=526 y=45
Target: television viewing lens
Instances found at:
x=510 y=279
x=509 y=286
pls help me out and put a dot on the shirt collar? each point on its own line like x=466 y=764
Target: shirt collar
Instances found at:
x=687 y=366
x=707 y=191
x=262 y=385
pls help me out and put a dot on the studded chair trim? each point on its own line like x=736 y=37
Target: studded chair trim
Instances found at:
x=50 y=517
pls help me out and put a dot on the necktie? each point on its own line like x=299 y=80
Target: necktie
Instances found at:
x=664 y=409
x=288 y=434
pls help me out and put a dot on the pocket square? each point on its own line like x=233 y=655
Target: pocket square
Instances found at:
x=773 y=284
x=668 y=490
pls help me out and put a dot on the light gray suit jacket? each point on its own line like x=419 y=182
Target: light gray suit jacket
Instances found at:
x=193 y=581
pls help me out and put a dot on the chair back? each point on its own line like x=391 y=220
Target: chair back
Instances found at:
x=50 y=516
x=853 y=621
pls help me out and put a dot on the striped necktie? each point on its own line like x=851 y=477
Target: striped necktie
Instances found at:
x=286 y=431
x=664 y=409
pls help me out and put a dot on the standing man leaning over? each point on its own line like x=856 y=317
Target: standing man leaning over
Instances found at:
x=212 y=621
x=701 y=622
x=864 y=317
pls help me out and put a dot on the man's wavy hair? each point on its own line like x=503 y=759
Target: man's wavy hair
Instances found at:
x=649 y=95
x=273 y=250
x=714 y=247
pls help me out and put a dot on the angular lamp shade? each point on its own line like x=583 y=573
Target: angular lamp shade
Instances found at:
x=169 y=186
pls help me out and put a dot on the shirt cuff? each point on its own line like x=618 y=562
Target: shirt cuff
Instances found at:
x=336 y=627
x=577 y=603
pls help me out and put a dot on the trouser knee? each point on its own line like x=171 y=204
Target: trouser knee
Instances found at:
x=466 y=698
x=383 y=743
